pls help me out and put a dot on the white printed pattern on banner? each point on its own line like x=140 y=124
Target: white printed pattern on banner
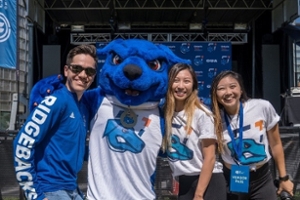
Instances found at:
x=5 y=28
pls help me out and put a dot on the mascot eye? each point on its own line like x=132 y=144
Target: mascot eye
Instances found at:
x=154 y=65
x=117 y=60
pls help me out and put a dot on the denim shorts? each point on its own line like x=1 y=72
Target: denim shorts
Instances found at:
x=63 y=195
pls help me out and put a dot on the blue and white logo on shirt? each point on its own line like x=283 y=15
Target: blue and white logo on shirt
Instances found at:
x=179 y=151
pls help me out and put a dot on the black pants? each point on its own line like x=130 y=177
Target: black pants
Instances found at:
x=261 y=185
x=216 y=189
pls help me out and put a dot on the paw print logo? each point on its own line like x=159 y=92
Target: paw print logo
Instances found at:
x=5 y=28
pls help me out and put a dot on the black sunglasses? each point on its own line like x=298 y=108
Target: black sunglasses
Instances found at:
x=76 y=69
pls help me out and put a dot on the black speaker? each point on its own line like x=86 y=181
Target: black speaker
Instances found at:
x=271 y=74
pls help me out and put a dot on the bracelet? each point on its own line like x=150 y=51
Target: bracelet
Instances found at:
x=284 y=178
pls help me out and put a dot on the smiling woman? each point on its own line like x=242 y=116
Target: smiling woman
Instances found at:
x=248 y=128
x=182 y=88
x=190 y=139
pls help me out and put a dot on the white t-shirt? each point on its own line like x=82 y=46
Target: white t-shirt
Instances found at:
x=185 y=156
x=259 y=117
x=122 y=161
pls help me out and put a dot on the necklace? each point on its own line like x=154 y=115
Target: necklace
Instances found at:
x=128 y=118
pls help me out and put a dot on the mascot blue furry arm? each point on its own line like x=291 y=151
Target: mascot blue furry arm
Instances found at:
x=43 y=88
x=126 y=127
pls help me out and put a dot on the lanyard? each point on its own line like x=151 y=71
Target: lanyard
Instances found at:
x=236 y=147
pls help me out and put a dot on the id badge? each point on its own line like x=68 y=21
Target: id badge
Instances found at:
x=239 y=178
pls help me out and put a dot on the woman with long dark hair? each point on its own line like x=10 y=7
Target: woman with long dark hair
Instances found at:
x=249 y=128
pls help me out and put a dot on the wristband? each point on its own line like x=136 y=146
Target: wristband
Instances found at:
x=284 y=178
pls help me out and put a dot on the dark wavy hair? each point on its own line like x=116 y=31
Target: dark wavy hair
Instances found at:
x=216 y=106
x=82 y=49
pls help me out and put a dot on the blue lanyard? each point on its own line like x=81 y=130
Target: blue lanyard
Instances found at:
x=236 y=147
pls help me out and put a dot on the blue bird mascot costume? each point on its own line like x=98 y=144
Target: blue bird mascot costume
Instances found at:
x=126 y=127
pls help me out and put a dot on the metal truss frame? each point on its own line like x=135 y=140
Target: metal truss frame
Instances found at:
x=91 y=38
x=157 y=4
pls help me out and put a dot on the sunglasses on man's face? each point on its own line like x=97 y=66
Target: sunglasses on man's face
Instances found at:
x=76 y=69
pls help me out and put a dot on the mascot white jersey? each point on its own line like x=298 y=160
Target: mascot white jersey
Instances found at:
x=122 y=160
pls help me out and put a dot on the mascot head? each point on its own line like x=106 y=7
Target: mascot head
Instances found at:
x=136 y=70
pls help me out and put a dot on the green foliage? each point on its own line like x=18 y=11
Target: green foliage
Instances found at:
x=4 y=120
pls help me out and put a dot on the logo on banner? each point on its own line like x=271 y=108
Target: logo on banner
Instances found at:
x=200 y=85
x=225 y=48
x=101 y=45
x=225 y=60
x=212 y=72
x=172 y=47
x=211 y=47
x=198 y=60
x=185 y=48
x=101 y=61
x=198 y=47
x=199 y=73
x=5 y=28
x=211 y=61
x=3 y=4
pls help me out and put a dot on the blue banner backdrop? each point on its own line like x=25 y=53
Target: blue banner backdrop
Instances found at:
x=8 y=33
x=208 y=59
